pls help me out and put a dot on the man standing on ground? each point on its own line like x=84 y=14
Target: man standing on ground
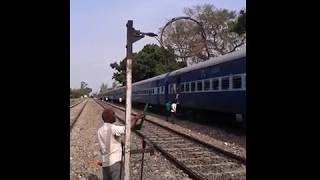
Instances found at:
x=168 y=110
x=109 y=136
x=174 y=109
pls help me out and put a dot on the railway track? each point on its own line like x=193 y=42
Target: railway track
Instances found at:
x=200 y=161
x=75 y=104
x=73 y=121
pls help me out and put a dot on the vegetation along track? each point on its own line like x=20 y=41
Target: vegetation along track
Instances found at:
x=73 y=121
x=198 y=160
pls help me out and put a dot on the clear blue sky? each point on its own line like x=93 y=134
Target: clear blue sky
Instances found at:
x=98 y=32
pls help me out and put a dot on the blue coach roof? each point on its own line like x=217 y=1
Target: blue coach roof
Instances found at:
x=212 y=61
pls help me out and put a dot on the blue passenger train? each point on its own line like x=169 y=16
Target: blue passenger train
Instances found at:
x=218 y=84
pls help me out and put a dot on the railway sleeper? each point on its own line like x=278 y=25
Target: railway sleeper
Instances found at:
x=217 y=168
x=205 y=161
x=241 y=174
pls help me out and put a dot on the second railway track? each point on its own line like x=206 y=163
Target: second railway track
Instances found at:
x=196 y=159
x=74 y=120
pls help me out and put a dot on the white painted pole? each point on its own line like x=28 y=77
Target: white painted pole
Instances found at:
x=128 y=101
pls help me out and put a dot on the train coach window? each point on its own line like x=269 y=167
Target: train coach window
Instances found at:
x=152 y=91
x=225 y=83
x=236 y=82
x=171 y=89
x=199 y=86
x=182 y=87
x=207 y=85
x=215 y=84
x=193 y=86
x=187 y=87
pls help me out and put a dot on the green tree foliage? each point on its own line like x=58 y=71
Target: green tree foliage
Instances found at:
x=240 y=25
x=151 y=61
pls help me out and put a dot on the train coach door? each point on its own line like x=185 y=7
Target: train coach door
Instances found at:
x=158 y=92
x=178 y=88
x=166 y=87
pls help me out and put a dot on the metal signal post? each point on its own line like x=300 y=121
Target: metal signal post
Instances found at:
x=132 y=36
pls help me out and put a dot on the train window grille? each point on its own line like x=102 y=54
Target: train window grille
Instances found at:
x=244 y=81
x=182 y=87
x=225 y=83
x=206 y=85
x=193 y=86
x=215 y=84
x=171 y=89
x=187 y=87
x=236 y=82
x=199 y=86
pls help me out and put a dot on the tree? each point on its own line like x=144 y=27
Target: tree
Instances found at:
x=184 y=38
x=103 y=88
x=84 y=90
x=239 y=26
x=218 y=24
x=83 y=85
x=115 y=84
x=151 y=61
x=224 y=29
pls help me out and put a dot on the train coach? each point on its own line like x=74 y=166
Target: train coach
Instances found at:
x=218 y=84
